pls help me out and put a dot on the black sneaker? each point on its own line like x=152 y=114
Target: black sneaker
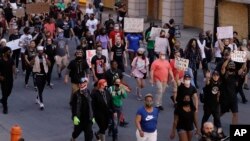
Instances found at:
x=160 y=108
x=244 y=101
x=59 y=75
x=5 y=111
x=246 y=87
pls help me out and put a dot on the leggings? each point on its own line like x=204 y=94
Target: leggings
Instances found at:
x=40 y=81
x=6 y=91
x=15 y=56
x=27 y=75
x=211 y=111
x=50 y=72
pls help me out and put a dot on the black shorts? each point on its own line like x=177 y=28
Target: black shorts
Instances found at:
x=227 y=106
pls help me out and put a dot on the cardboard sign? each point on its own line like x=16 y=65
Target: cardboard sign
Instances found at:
x=133 y=25
x=20 y=12
x=239 y=56
x=224 y=32
x=37 y=8
x=13 y=44
x=155 y=32
x=181 y=63
x=91 y=53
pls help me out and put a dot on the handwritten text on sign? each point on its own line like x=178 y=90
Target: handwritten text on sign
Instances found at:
x=155 y=32
x=133 y=25
x=239 y=56
x=181 y=63
x=225 y=32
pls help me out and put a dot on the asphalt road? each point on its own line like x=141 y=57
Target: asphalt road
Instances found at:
x=55 y=124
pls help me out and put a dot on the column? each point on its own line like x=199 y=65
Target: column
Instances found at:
x=209 y=15
x=173 y=9
x=137 y=8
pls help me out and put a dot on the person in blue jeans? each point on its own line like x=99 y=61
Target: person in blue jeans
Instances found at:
x=133 y=44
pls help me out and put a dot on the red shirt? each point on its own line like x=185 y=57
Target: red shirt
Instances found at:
x=113 y=34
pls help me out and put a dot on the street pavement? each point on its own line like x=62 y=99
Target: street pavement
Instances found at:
x=55 y=124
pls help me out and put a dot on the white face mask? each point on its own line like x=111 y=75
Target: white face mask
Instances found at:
x=163 y=57
x=187 y=82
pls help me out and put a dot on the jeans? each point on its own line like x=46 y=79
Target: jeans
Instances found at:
x=161 y=87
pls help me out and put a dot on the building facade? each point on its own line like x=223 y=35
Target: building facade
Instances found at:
x=193 y=13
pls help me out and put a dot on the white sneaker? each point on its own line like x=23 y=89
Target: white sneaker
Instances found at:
x=41 y=106
x=38 y=101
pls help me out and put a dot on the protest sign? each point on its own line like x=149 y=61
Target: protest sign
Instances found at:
x=91 y=53
x=181 y=63
x=239 y=56
x=224 y=32
x=37 y=8
x=13 y=44
x=20 y=12
x=155 y=32
x=133 y=25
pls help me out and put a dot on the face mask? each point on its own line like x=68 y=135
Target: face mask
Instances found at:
x=78 y=58
x=187 y=82
x=139 y=54
x=163 y=57
x=231 y=70
x=98 y=53
x=148 y=104
x=105 y=87
x=185 y=103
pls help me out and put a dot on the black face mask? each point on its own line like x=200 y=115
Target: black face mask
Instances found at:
x=78 y=58
x=139 y=54
x=186 y=103
x=106 y=88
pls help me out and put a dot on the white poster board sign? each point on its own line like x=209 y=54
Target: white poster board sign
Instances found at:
x=13 y=44
x=133 y=25
x=91 y=53
x=155 y=32
x=181 y=63
x=239 y=56
x=225 y=32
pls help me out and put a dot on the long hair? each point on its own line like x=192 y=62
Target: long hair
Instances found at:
x=189 y=46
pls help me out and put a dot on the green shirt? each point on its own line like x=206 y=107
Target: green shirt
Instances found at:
x=151 y=43
x=117 y=96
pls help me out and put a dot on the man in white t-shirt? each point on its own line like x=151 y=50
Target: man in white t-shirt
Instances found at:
x=89 y=10
x=92 y=24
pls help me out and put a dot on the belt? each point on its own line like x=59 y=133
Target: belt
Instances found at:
x=40 y=74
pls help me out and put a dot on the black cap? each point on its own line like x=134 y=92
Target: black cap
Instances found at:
x=215 y=73
x=187 y=76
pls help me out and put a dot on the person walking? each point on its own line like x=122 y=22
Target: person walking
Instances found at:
x=212 y=99
x=98 y=65
x=76 y=69
x=103 y=108
x=193 y=54
x=30 y=54
x=184 y=120
x=40 y=70
x=118 y=93
x=159 y=75
x=146 y=120
x=7 y=73
x=140 y=71
x=50 y=51
x=82 y=112
x=62 y=53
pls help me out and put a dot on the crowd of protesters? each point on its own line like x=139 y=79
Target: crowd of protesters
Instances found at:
x=45 y=41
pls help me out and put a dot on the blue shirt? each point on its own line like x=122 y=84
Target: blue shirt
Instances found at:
x=134 y=41
x=148 y=120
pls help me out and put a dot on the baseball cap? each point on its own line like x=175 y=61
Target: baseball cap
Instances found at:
x=187 y=76
x=40 y=48
x=148 y=95
x=83 y=79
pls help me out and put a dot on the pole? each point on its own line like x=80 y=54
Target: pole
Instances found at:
x=216 y=19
